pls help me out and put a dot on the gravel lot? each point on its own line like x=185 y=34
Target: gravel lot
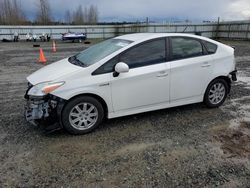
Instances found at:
x=189 y=146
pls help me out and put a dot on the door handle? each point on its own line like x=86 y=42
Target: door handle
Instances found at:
x=162 y=74
x=205 y=64
x=105 y=84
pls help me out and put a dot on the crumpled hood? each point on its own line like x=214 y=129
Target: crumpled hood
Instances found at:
x=53 y=71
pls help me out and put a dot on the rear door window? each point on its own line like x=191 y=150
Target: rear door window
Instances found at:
x=184 y=47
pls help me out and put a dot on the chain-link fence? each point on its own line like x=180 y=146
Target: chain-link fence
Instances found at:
x=226 y=30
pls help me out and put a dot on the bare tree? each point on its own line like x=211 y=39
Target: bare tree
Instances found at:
x=1 y=12
x=88 y=16
x=93 y=14
x=11 y=12
x=18 y=16
x=78 y=16
x=68 y=17
x=44 y=12
x=7 y=11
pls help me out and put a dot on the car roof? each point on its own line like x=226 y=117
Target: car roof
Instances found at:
x=137 y=37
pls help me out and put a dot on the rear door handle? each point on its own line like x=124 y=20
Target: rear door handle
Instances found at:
x=162 y=74
x=205 y=64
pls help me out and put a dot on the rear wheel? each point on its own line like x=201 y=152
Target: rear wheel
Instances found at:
x=216 y=93
x=82 y=115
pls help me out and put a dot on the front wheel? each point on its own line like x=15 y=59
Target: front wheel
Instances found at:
x=82 y=115
x=216 y=93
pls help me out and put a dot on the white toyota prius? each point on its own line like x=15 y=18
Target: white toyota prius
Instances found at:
x=127 y=75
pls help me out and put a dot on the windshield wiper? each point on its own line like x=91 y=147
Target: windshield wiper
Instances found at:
x=75 y=61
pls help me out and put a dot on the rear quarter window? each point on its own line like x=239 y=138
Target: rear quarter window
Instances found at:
x=211 y=48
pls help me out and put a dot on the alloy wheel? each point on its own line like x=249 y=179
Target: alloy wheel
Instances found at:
x=83 y=116
x=217 y=93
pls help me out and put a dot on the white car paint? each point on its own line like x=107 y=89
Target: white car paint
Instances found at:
x=140 y=85
x=141 y=89
x=190 y=77
x=53 y=71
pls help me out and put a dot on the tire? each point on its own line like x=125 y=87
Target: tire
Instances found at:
x=216 y=93
x=75 y=116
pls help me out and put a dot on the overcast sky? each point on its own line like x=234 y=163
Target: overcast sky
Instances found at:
x=119 y=10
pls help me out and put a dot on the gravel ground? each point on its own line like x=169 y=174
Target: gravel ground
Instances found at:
x=189 y=146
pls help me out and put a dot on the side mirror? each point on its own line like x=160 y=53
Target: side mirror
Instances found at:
x=120 y=68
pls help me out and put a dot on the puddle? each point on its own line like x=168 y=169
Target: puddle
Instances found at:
x=244 y=79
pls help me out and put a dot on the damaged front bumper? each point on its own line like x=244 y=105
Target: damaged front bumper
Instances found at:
x=44 y=110
x=233 y=75
x=36 y=110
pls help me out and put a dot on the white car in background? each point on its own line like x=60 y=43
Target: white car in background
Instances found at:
x=28 y=37
x=127 y=75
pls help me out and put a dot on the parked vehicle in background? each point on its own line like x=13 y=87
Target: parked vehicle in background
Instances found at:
x=127 y=75
x=45 y=37
x=16 y=37
x=28 y=37
x=74 y=37
x=31 y=37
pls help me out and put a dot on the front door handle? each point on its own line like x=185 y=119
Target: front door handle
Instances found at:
x=162 y=74
x=205 y=64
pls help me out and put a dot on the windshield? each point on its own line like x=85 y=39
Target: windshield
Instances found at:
x=97 y=52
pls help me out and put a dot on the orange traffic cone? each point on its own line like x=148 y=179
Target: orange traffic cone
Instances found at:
x=54 y=46
x=42 y=58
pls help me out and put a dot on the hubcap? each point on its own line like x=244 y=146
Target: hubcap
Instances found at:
x=217 y=93
x=83 y=116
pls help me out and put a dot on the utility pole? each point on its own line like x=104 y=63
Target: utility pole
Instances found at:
x=217 y=28
x=147 y=20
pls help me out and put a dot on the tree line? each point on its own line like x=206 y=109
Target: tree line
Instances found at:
x=82 y=16
x=12 y=13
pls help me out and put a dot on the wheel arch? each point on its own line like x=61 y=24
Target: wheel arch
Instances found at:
x=226 y=78
x=97 y=97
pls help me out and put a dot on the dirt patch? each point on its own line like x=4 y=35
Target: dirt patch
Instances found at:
x=134 y=148
x=245 y=125
x=235 y=142
x=178 y=154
